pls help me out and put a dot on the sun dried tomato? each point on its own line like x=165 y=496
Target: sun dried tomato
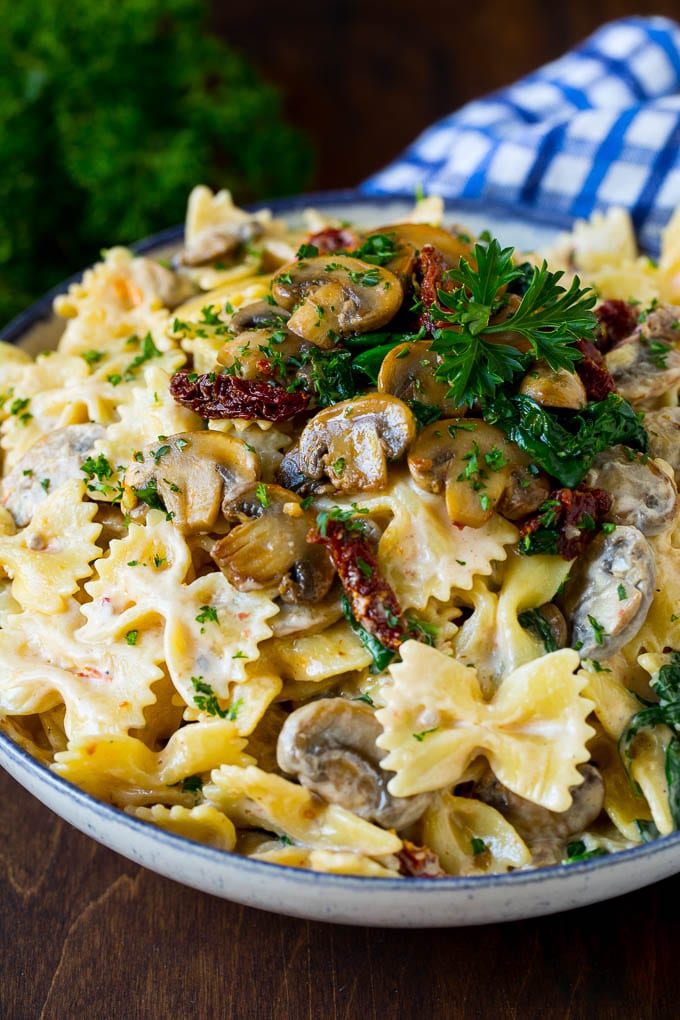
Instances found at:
x=592 y=372
x=616 y=320
x=373 y=603
x=227 y=396
x=565 y=523
x=419 y=862
x=333 y=239
x=430 y=268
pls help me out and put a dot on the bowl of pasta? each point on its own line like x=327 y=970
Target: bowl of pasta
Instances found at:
x=339 y=546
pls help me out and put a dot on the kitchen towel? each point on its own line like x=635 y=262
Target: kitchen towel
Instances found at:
x=599 y=127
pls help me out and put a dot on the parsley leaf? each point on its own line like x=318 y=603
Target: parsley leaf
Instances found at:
x=550 y=317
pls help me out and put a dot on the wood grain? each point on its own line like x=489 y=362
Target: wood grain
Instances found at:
x=364 y=77
x=85 y=933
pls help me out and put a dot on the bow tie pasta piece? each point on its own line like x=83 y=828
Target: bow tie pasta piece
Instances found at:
x=203 y=823
x=148 y=412
x=48 y=559
x=330 y=861
x=625 y=805
x=37 y=401
x=104 y=689
x=614 y=707
x=256 y=799
x=123 y=770
x=211 y=630
x=422 y=554
x=312 y=658
x=529 y=582
x=452 y=825
x=533 y=732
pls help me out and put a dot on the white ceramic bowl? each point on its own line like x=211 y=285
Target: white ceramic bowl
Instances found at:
x=346 y=899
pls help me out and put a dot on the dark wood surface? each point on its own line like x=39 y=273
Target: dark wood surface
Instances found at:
x=364 y=77
x=87 y=934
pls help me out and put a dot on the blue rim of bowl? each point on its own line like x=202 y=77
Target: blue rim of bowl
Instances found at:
x=42 y=310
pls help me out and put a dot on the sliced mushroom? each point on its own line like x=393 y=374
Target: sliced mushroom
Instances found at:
x=642 y=494
x=217 y=241
x=269 y=547
x=609 y=592
x=545 y=832
x=551 y=388
x=478 y=469
x=258 y=315
x=351 y=441
x=56 y=458
x=290 y=475
x=156 y=281
x=329 y=746
x=188 y=474
x=410 y=238
x=647 y=364
x=308 y=618
x=334 y=296
x=663 y=427
x=408 y=372
x=258 y=353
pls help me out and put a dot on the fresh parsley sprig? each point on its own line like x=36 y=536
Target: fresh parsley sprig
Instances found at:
x=549 y=317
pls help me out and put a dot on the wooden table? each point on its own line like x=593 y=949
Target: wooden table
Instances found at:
x=85 y=933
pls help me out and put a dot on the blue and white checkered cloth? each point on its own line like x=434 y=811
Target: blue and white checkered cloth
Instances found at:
x=596 y=128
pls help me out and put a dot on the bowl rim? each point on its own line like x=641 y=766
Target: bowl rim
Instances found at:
x=41 y=310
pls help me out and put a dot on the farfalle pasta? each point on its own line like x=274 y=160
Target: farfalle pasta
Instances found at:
x=351 y=548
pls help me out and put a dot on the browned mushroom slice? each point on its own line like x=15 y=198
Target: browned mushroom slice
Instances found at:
x=215 y=242
x=258 y=315
x=408 y=372
x=298 y=618
x=334 y=296
x=268 y=547
x=330 y=747
x=188 y=474
x=545 y=832
x=290 y=475
x=553 y=389
x=647 y=364
x=476 y=467
x=609 y=592
x=410 y=238
x=260 y=353
x=663 y=427
x=57 y=457
x=641 y=493
x=351 y=442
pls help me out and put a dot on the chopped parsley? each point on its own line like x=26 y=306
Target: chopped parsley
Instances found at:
x=205 y=698
x=347 y=517
x=207 y=614
x=261 y=493
x=131 y=637
x=149 y=494
x=148 y=351
x=424 y=733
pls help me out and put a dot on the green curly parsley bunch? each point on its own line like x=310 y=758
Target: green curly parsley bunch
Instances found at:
x=109 y=113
